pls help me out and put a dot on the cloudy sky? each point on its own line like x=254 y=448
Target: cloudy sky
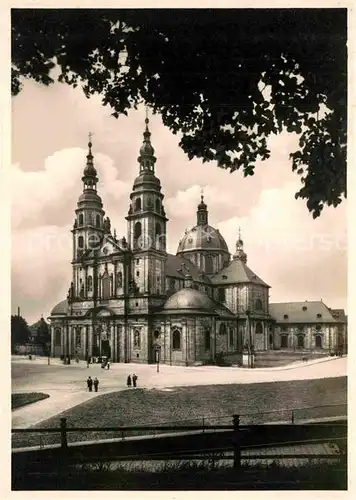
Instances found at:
x=300 y=258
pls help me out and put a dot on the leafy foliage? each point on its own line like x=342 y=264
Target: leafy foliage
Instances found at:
x=20 y=332
x=224 y=79
x=43 y=336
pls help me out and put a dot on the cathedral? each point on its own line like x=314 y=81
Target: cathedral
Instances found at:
x=131 y=301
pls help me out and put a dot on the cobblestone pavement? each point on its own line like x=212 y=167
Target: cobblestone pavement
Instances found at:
x=66 y=384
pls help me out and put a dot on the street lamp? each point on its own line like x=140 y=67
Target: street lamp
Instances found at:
x=157 y=355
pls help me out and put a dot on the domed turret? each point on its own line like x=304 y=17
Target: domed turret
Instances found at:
x=240 y=254
x=189 y=299
x=203 y=245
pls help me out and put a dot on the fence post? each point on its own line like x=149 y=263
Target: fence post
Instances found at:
x=292 y=416
x=236 y=440
x=64 y=443
x=203 y=425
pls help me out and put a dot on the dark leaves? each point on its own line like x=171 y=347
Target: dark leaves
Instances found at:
x=224 y=79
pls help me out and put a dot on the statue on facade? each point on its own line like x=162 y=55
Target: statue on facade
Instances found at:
x=107 y=225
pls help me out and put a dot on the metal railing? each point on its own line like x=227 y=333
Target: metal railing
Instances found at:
x=52 y=436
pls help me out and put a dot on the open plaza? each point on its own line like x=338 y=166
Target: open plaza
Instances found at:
x=66 y=384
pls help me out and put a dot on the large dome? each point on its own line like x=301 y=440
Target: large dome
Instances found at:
x=189 y=299
x=60 y=308
x=202 y=238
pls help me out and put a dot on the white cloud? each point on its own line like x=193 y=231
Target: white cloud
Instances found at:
x=294 y=253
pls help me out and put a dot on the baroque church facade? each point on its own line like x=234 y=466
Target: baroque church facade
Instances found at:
x=132 y=301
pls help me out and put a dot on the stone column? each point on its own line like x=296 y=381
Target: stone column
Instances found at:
x=112 y=342
x=86 y=282
x=52 y=340
x=90 y=340
x=84 y=339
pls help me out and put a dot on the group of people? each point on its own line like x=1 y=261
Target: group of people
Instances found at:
x=91 y=383
x=132 y=380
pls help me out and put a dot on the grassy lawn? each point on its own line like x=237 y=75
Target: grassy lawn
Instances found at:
x=23 y=399
x=141 y=406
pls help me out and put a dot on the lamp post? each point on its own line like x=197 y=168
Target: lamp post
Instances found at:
x=158 y=355
x=48 y=347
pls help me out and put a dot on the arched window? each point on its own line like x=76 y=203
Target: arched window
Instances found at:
x=209 y=264
x=158 y=229
x=138 y=204
x=158 y=206
x=137 y=339
x=90 y=284
x=231 y=337
x=106 y=286
x=318 y=341
x=284 y=341
x=137 y=230
x=57 y=337
x=176 y=340
x=221 y=294
x=119 y=279
x=259 y=328
x=156 y=334
x=80 y=220
x=207 y=340
x=258 y=304
x=301 y=341
x=80 y=243
x=222 y=329
x=97 y=220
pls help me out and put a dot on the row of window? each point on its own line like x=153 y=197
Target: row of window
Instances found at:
x=285 y=316
x=96 y=221
x=138 y=204
x=301 y=341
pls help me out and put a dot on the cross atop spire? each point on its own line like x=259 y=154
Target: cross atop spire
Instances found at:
x=202 y=195
x=239 y=233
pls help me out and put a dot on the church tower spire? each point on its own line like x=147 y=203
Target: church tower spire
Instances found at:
x=202 y=213
x=90 y=178
x=147 y=224
x=89 y=224
x=147 y=158
x=240 y=254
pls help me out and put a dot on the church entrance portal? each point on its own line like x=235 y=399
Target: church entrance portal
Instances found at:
x=105 y=348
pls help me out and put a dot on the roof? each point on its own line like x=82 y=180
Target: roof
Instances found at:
x=236 y=272
x=179 y=267
x=202 y=237
x=301 y=312
x=60 y=308
x=189 y=300
x=339 y=315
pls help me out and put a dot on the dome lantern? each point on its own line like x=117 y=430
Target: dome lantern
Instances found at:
x=240 y=254
x=202 y=213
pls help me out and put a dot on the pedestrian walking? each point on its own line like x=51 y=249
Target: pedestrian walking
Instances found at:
x=96 y=384
x=129 y=381
x=88 y=362
x=90 y=384
x=134 y=379
x=108 y=365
